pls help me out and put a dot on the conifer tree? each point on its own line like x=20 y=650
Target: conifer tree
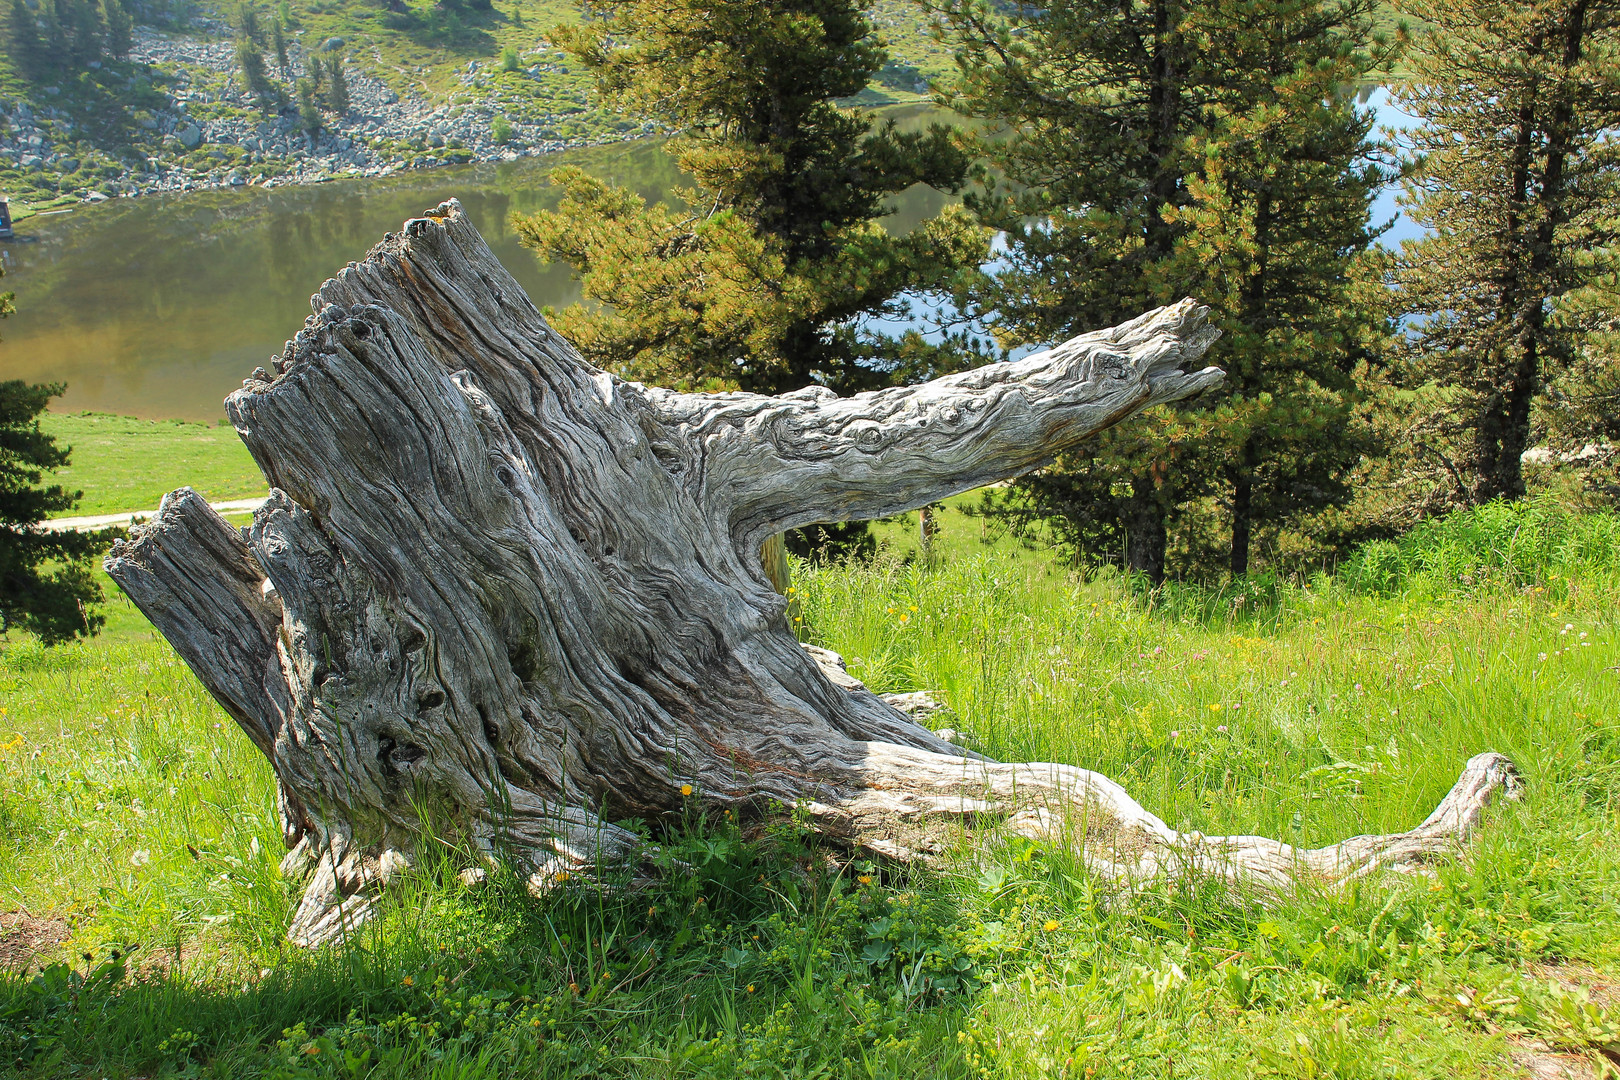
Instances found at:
x=120 y=28
x=84 y=16
x=337 y=94
x=1577 y=429
x=278 y=44
x=1276 y=226
x=247 y=22
x=251 y=61
x=1159 y=150
x=1517 y=175
x=309 y=114
x=22 y=40
x=46 y=586
x=758 y=281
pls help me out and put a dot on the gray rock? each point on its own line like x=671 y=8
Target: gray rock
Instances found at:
x=190 y=136
x=332 y=44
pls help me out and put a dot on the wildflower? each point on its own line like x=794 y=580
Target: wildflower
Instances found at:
x=750 y=988
x=913 y=607
x=140 y=857
x=1051 y=925
x=1358 y=687
x=1175 y=734
x=407 y=981
x=686 y=789
x=1221 y=728
x=559 y=876
x=865 y=879
x=1541 y=656
x=1215 y=707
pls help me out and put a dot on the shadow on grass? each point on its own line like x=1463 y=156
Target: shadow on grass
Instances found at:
x=736 y=959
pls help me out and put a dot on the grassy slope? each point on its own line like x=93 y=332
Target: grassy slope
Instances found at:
x=126 y=464
x=1344 y=711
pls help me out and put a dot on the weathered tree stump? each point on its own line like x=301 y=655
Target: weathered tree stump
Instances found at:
x=505 y=594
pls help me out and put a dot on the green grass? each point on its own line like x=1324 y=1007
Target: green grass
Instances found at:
x=121 y=463
x=135 y=812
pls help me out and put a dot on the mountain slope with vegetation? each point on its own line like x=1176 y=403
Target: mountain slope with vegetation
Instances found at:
x=170 y=103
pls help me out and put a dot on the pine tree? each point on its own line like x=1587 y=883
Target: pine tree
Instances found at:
x=278 y=44
x=247 y=23
x=120 y=28
x=57 y=41
x=88 y=29
x=251 y=61
x=758 y=280
x=46 y=584
x=1277 y=221
x=1517 y=177
x=309 y=114
x=317 y=74
x=1160 y=150
x=1578 y=426
x=22 y=39
x=337 y=96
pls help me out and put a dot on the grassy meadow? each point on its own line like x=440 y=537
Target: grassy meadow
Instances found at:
x=138 y=824
x=122 y=463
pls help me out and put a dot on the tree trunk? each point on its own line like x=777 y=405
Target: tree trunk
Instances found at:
x=1146 y=535
x=1242 y=509
x=504 y=593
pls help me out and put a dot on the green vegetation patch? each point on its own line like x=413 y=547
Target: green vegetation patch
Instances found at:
x=141 y=822
x=121 y=463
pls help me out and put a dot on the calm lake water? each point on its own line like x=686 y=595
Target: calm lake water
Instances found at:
x=158 y=307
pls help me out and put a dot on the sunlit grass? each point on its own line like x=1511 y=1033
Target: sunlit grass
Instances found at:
x=133 y=810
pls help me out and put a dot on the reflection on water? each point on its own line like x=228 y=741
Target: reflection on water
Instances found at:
x=158 y=307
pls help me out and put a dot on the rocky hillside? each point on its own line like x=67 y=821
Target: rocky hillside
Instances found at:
x=425 y=86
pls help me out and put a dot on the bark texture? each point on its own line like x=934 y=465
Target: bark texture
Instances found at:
x=500 y=594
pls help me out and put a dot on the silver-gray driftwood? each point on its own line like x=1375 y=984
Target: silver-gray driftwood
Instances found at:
x=498 y=590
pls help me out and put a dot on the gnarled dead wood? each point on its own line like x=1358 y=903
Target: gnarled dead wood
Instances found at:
x=500 y=592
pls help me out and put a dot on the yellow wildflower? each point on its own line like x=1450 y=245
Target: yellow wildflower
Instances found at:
x=686 y=789
x=1051 y=925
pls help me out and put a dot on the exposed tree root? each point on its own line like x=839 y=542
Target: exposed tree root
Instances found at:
x=500 y=598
